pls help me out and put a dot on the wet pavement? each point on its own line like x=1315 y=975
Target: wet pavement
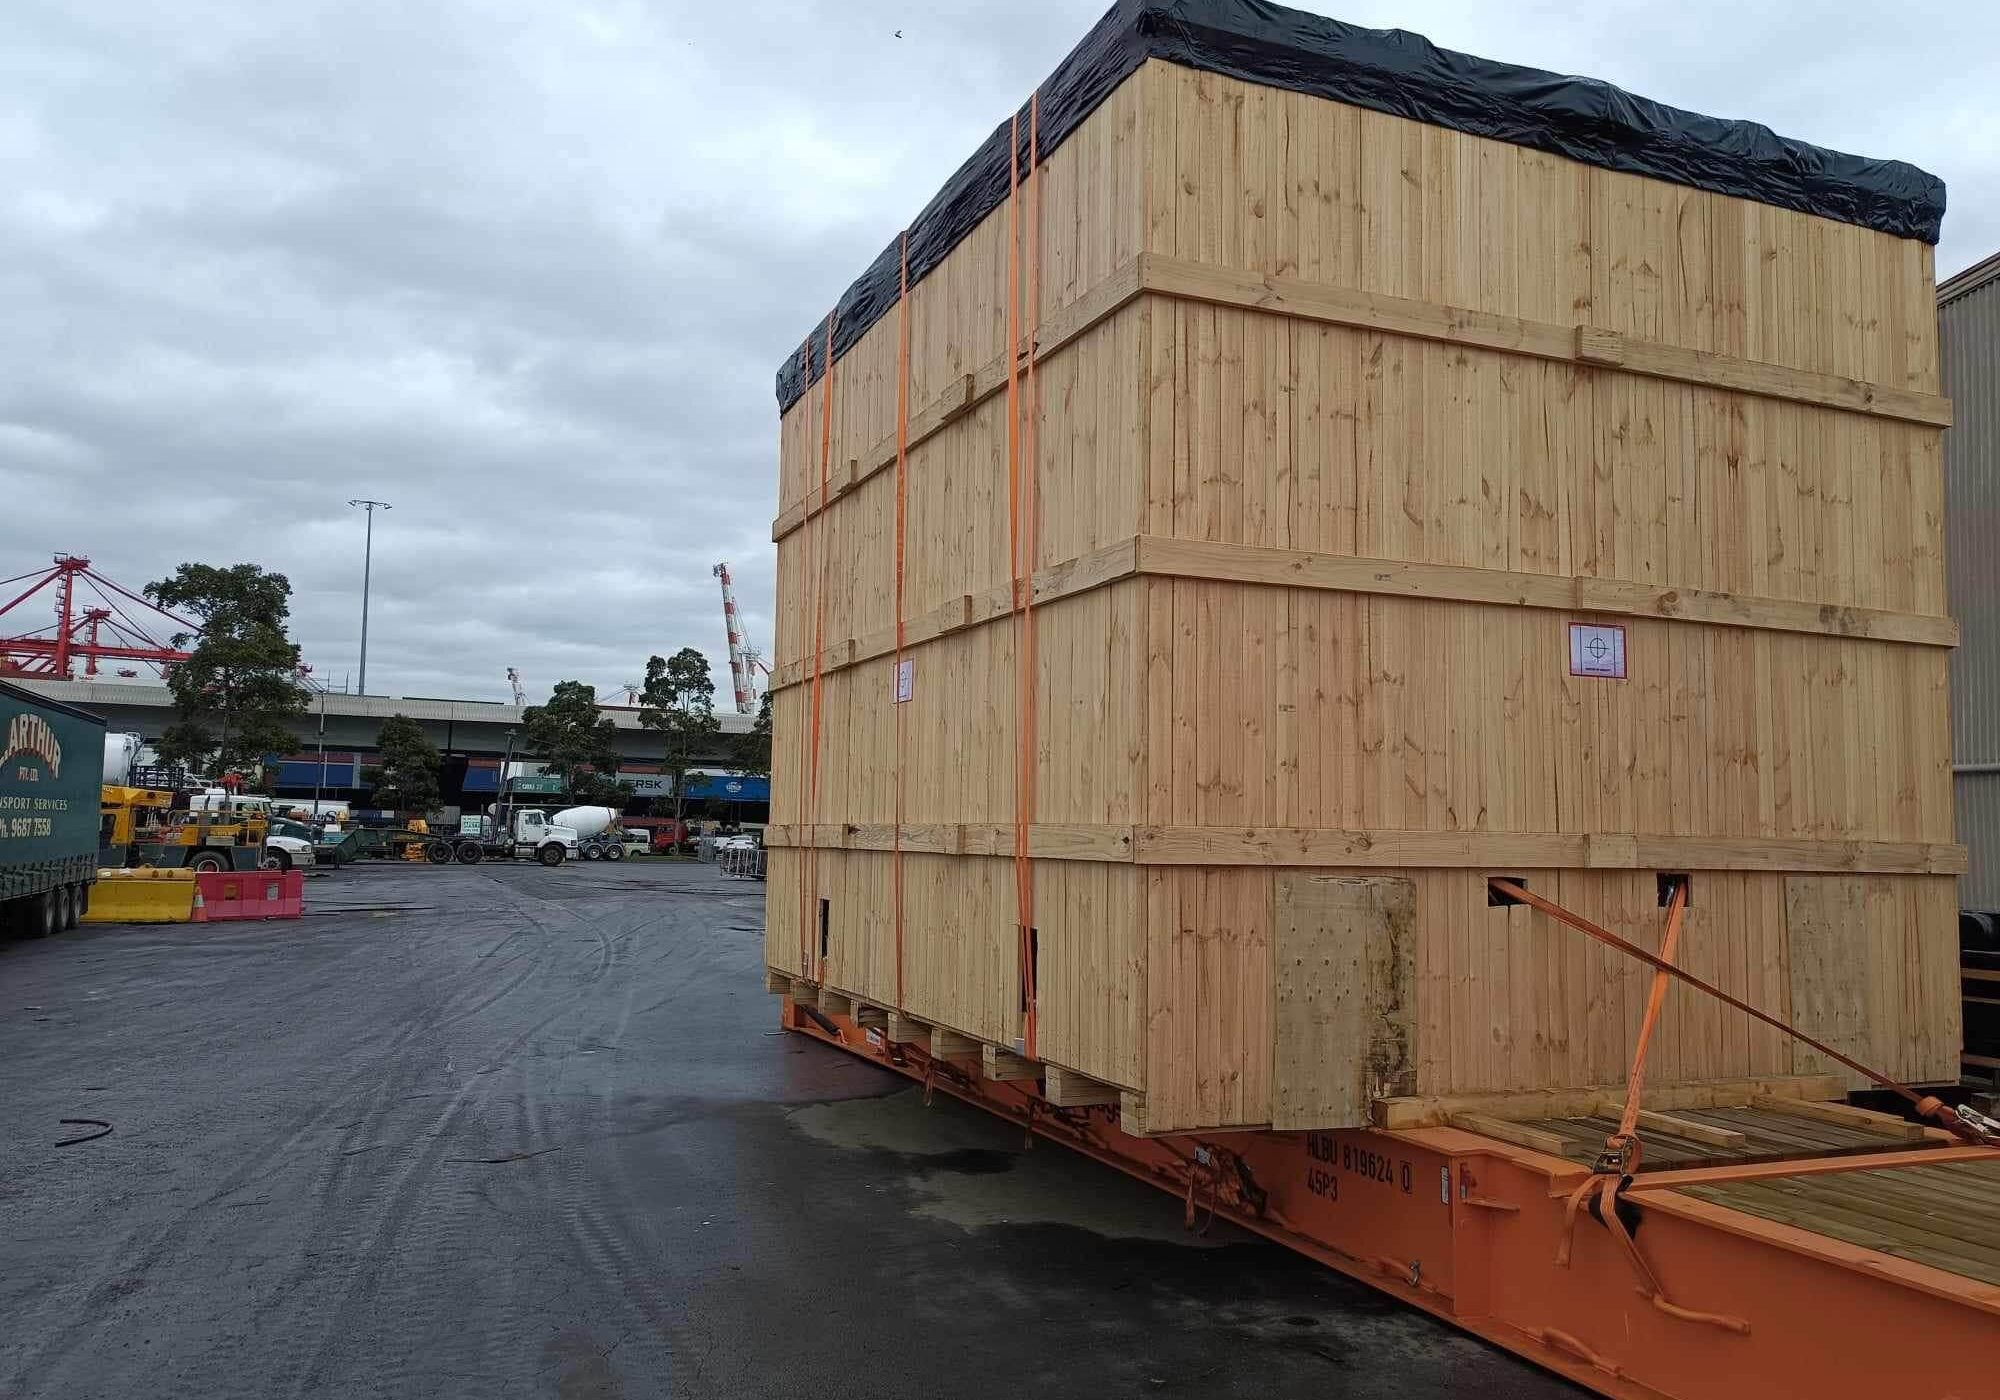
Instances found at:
x=504 y=1131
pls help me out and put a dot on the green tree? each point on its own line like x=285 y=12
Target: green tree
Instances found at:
x=753 y=750
x=577 y=741
x=678 y=703
x=239 y=685
x=595 y=789
x=407 y=778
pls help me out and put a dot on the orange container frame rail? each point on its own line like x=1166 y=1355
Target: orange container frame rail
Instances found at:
x=1810 y=1248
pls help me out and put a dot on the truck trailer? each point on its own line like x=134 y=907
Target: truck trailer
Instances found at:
x=50 y=762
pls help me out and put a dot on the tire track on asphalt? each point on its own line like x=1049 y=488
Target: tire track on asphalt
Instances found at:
x=369 y=1088
x=402 y=1199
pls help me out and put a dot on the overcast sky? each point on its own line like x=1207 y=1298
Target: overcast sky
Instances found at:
x=526 y=270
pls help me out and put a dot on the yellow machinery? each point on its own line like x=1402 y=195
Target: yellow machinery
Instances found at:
x=144 y=827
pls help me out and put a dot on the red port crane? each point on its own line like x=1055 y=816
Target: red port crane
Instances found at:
x=84 y=630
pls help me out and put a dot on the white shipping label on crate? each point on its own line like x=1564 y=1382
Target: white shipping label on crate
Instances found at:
x=1597 y=650
x=906 y=680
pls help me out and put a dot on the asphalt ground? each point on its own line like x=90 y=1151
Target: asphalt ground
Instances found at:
x=536 y=1133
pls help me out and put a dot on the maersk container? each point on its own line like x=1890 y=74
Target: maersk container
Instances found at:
x=50 y=765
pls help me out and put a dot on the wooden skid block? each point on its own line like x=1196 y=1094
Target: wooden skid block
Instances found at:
x=1520 y=1134
x=950 y=1045
x=1681 y=1127
x=1066 y=1088
x=901 y=1030
x=777 y=982
x=870 y=1018
x=834 y=1003
x=996 y=1063
x=1435 y=1110
x=1845 y=1115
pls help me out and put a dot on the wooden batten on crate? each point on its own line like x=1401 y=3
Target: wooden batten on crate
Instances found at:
x=1365 y=508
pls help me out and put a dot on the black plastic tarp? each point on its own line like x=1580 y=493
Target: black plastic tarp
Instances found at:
x=1405 y=75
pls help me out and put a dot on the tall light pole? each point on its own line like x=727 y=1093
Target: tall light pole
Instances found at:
x=367 y=564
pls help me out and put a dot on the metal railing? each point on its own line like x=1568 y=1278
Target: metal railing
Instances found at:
x=743 y=863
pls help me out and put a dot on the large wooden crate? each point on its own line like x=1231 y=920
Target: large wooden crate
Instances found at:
x=1339 y=423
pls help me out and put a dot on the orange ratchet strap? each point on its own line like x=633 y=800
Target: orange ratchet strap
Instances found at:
x=902 y=518
x=1021 y=518
x=804 y=817
x=1621 y=1149
x=813 y=959
x=1974 y=1128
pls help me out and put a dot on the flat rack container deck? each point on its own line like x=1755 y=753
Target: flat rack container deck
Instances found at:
x=1291 y=477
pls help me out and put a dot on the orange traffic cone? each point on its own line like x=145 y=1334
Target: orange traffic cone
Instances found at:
x=200 y=915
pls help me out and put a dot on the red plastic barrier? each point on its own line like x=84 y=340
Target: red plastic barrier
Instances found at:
x=253 y=894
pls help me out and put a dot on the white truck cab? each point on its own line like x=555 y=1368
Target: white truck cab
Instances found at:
x=535 y=835
x=287 y=845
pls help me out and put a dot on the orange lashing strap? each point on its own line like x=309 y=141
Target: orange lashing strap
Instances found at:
x=1621 y=1149
x=819 y=635
x=1967 y=1125
x=902 y=518
x=804 y=817
x=1021 y=517
x=1614 y=1168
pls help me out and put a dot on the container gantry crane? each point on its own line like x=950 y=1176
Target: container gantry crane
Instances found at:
x=79 y=630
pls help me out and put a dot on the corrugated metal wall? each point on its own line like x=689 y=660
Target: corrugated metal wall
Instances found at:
x=1969 y=331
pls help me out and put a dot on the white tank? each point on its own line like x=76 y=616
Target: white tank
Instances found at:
x=587 y=821
x=121 y=751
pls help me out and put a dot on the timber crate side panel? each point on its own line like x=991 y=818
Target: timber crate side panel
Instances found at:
x=1091 y=973
x=954 y=745
x=1767 y=738
x=1317 y=709
x=1291 y=185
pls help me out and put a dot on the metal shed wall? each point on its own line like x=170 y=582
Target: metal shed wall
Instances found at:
x=1969 y=348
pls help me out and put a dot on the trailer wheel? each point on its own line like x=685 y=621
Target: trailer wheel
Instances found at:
x=65 y=903
x=39 y=918
x=207 y=863
x=82 y=901
x=470 y=853
x=550 y=855
x=614 y=853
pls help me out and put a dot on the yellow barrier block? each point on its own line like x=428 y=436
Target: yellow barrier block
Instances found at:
x=141 y=897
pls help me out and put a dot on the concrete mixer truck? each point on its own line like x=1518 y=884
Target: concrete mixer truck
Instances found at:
x=598 y=836
x=528 y=833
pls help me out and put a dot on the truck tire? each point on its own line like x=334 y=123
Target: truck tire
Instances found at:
x=551 y=855
x=39 y=915
x=614 y=852
x=470 y=853
x=208 y=863
x=438 y=852
x=279 y=861
x=591 y=852
x=65 y=912
x=82 y=901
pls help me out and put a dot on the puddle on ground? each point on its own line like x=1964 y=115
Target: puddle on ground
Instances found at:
x=968 y=1169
